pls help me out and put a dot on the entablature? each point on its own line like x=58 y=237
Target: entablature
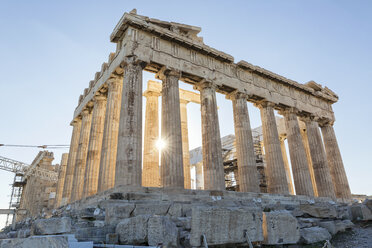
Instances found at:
x=158 y=44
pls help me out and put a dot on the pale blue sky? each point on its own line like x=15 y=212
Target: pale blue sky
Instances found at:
x=50 y=50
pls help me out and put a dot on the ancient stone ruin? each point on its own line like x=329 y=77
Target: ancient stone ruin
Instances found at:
x=111 y=189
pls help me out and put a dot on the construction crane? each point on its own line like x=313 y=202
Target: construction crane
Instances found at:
x=22 y=170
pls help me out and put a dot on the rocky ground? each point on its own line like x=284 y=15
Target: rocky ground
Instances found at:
x=359 y=236
x=185 y=218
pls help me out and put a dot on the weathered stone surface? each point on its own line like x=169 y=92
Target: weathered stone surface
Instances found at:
x=23 y=233
x=334 y=227
x=87 y=213
x=211 y=141
x=225 y=225
x=171 y=169
x=343 y=225
x=319 y=210
x=175 y=210
x=96 y=234
x=307 y=222
x=12 y=234
x=280 y=227
x=35 y=242
x=343 y=212
x=116 y=212
x=360 y=212
x=183 y=222
x=133 y=230
x=314 y=234
x=329 y=225
x=112 y=238
x=277 y=178
x=335 y=162
x=368 y=203
x=52 y=226
x=150 y=168
x=151 y=209
x=161 y=230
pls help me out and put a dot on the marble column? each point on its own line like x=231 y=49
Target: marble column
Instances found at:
x=321 y=170
x=305 y=141
x=171 y=134
x=199 y=177
x=246 y=158
x=106 y=178
x=340 y=182
x=300 y=167
x=151 y=169
x=214 y=177
x=95 y=146
x=128 y=169
x=70 y=169
x=61 y=180
x=185 y=145
x=276 y=176
x=81 y=156
x=286 y=165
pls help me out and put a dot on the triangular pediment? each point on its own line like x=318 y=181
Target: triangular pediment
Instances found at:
x=188 y=31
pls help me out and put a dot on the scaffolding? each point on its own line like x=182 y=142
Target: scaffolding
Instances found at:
x=15 y=197
x=231 y=166
x=22 y=171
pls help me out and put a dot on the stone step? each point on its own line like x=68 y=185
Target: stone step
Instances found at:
x=121 y=246
x=75 y=244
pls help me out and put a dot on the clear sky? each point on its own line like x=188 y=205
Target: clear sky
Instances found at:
x=50 y=50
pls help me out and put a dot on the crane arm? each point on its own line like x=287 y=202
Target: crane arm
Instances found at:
x=12 y=165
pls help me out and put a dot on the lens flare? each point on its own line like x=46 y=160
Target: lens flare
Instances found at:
x=160 y=144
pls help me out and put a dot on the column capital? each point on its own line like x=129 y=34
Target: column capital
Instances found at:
x=264 y=104
x=85 y=112
x=203 y=84
x=309 y=118
x=282 y=137
x=133 y=60
x=184 y=101
x=76 y=121
x=237 y=95
x=325 y=122
x=167 y=72
x=99 y=98
x=148 y=93
x=114 y=79
x=289 y=110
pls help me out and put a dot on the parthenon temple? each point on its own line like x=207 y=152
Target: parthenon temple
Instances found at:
x=106 y=143
x=111 y=153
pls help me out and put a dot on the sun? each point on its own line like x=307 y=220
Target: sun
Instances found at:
x=160 y=144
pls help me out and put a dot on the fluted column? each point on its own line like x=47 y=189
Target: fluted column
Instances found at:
x=61 y=180
x=276 y=176
x=71 y=161
x=214 y=178
x=185 y=145
x=81 y=156
x=340 y=182
x=300 y=167
x=246 y=158
x=321 y=169
x=106 y=178
x=199 y=177
x=286 y=165
x=171 y=134
x=305 y=141
x=151 y=169
x=95 y=146
x=129 y=153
